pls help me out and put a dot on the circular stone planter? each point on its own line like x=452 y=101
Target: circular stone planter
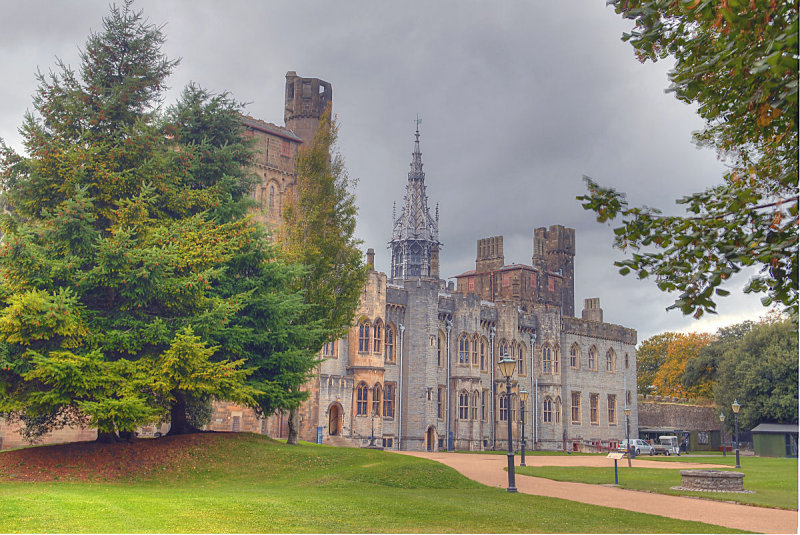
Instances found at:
x=712 y=481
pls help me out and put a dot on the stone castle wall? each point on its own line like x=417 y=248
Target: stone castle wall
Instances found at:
x=685 y=416
x=10 y=436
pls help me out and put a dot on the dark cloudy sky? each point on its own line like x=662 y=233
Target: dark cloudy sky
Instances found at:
x=518 y=101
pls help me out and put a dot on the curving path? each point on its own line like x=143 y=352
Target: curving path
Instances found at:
x=489 y=470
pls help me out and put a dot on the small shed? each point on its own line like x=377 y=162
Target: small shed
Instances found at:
x=775 y=440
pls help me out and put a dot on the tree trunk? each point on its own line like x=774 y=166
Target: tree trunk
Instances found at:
x=106 y=437
x=127 y=435
x=293 y=425
x=179 y=425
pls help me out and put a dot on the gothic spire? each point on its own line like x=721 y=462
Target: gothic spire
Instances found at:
x=415 y=236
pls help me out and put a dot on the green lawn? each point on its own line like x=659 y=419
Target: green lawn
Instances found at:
x=773 y=480
x=248 y=483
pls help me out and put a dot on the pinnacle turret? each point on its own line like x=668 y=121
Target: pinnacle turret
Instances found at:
x=415 y=236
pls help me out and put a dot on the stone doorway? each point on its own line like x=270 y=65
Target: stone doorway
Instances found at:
x=430 y=439
x=335 y=420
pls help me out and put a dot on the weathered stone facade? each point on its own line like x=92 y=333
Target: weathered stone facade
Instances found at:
x=10 y=436
x=276 y=147
x=685 y=416
x=420 y=363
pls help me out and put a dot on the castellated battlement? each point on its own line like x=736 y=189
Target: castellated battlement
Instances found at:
x=594 y=329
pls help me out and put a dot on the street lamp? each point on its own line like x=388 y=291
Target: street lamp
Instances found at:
x=722 y=431
x=627 y=433
x=735 y=406
x=523 y=397
x=507 y=368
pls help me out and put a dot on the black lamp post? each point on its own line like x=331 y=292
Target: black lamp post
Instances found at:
x=523 y=397
x=627 y=433
x=507 y=368
x=735 y=406
x=722 y=431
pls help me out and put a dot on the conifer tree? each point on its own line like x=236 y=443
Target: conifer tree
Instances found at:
x=122 y=244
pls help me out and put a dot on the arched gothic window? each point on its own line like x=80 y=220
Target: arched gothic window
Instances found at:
x=377 y=337
x=463 y=405
x=610 y=358
x=484 y=344
x=376 y=399
x=388 y=401
x=272 y=197
x=521 y=359
x=592 y=358
x=475 y=350
x=574 y=356
x=558 y=410
x=503 y=350
x=513 y=406
x=361 y=399
x=503 y=407
x=329 y=349
x=547 y=410
x=556 y=358
x=474 y=406
x=463 y=349
x=389 y=343
x=547 y=359
x=363 y=337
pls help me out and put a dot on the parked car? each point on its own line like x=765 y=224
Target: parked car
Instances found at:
x=668 y=445
x=638 y=445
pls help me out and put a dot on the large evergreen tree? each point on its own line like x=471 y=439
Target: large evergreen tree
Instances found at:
x=121 y=261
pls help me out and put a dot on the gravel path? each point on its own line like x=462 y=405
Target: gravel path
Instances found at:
x=489 y=470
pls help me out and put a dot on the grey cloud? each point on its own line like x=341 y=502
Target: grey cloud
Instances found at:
x=518 y=100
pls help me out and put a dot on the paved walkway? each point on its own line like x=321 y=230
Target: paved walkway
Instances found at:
x=489 y=470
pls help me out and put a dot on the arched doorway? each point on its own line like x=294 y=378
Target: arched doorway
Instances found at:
x=335 y=420
x=430 y=439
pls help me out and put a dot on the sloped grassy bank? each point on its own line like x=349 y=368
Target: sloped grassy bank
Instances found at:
x=248 y=483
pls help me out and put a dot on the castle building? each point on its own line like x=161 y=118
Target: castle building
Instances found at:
x=418 y=369
x=276 y=147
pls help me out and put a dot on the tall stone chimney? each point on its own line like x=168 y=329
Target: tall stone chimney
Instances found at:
x=592 y=310
x=371 y=259
x=490 y=254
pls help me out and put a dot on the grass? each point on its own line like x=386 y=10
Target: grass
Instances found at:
x=248 y=483
x=773 y=480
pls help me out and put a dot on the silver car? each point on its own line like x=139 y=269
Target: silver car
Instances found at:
x=637 y=445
